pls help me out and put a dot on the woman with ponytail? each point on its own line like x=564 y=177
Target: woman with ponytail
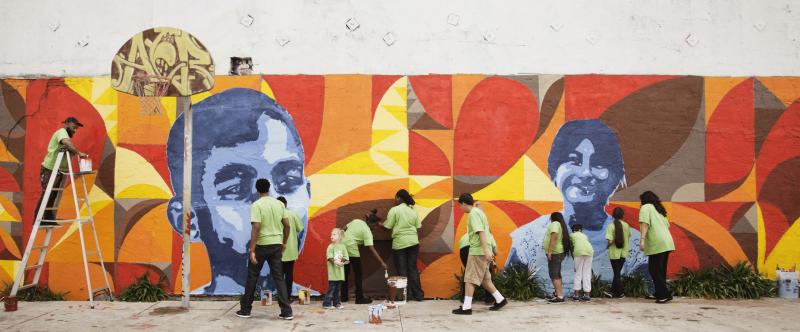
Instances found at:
x=617 y=235
x=656 y=242
x=404 y=223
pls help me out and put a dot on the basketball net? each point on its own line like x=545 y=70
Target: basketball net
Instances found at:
x=150 y=89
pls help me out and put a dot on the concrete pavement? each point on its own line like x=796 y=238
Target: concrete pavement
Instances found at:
x=600 y=315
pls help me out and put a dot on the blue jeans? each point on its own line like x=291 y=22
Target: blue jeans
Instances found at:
x=332 y=297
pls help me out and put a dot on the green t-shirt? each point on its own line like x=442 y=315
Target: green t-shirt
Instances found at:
x=52 y=150
x=658 y=238
x=613 y=251
x=290 y=253
x=464 y=241
x=554 y=227
x=357 y=234
x=268 y=211
x=335 y=272
x=404 y=222
x=580 y=244
x=477 y=222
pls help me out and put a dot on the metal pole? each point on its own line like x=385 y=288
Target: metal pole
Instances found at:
x=184 y=103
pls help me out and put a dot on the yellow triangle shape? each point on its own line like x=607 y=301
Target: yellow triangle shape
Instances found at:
x=399 y=157
x=538 y=186
x=402 y=89
x=508 y=187
x=267 y=90
x=419 y=182
x=398 y=112
x=396 y=142
x=81 y=85
x=359 y=163
x=196 y=98
x=380 y=135
x=137 y=178
x=6 y=155
x=109 y=97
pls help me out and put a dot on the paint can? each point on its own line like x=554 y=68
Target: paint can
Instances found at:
x=788 y=287
x=10 y=303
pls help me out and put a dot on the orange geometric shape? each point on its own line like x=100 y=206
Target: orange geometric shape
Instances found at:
x=149 y=240
x=715 y=88
x=712 y=233
x=435 y=92
x=540 y=149
x=425 y=158
x=135 y=128
x=462 y=85
x=787 y=89
x=588 y=96
x=347 y=125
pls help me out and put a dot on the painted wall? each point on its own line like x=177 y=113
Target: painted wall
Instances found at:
x=698 y=37
x=723 y=153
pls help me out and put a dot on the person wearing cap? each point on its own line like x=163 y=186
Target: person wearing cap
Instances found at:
x=60 y=140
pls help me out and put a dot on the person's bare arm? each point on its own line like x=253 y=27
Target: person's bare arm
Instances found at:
x=285 y=222
x=610 y=242
x=643 y=230
x=487 y=250
x=72 y=148
x=553 y=239
x=375 y=253
x=253 y=238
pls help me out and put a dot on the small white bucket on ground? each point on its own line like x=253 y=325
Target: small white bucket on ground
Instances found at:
x=787 y=284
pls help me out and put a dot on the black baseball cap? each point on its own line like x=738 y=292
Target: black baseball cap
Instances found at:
x=72 y=119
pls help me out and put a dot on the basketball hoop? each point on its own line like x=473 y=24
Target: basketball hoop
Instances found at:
x=150 y=89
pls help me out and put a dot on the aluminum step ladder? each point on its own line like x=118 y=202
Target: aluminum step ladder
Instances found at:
x=44 y=247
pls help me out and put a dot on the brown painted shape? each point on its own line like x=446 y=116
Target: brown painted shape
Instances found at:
x=549 y=105
x=780 y=188
x=471 y=184
x=653 y=123
x=768 y=110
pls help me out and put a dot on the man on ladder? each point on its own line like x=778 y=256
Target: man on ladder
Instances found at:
x=58 y=153
x=61 y=139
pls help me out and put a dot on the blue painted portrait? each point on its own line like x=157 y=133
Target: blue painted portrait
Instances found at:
x=239 y=136
x=586 y=165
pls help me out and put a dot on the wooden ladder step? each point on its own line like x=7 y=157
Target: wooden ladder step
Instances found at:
x=34 y=267
x=26 y=286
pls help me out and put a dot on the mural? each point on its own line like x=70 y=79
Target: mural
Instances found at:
x=723 y=153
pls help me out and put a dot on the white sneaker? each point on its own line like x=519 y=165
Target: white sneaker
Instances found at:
x=327 y=307
x=340 y=306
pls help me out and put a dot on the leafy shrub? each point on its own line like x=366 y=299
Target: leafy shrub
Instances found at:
x=740 y=281
x=145 y=291
x=599 y=286
x=36 y=294
x=635 y=285
x=515 y=282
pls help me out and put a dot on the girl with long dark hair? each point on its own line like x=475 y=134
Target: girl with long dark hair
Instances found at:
x=556 y=245
x=404 y=222
x=617 y=235
x=656 y=242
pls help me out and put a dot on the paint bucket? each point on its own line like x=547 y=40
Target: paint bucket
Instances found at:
x=85 y=165
x=787 y=284
x=395 y=283
x=10 y=303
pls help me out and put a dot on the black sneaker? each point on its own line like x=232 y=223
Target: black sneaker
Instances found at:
x=556 y=300
x=461 y=311
x=284 y=316
x=649 y=297
x=365 y=300
x=549 y=296
x=585 y=298
x=498 y=305
x=662 y=301
x=243 y=314
x=620 y=296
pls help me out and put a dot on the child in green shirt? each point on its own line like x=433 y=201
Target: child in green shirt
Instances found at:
x=582 y=253
x=337 y=258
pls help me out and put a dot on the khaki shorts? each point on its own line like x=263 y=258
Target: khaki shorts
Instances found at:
x=477 y=270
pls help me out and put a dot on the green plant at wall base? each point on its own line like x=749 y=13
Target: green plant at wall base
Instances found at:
x=740 y=281
x=599 y=286
x=516 y=282
x=144 y=291
x=36 y=294
x=634 y=285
